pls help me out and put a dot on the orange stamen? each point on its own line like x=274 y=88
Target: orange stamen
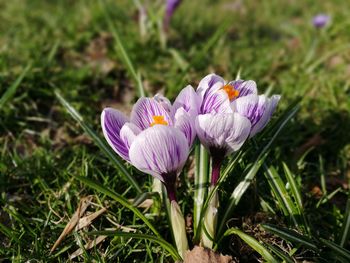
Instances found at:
x=158 y=120
x=231 y=91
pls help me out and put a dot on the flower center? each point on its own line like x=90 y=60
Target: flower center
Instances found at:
x=232 y=93
x=158 y=119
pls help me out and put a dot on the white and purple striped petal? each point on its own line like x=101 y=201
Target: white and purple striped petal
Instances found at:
x=245 y=87
x=222 y=133
x=209 y=84
x=189 y=100
x=159 y=151
x=128 y=133
x=165 y=102
x=258 y=109
x=269 y=110
x=213 y=98
x=145 y=109
x=184 y=121
x=216 y=102
x=112 y=122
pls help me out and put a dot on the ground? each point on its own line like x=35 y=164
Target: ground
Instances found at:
x=72 y=47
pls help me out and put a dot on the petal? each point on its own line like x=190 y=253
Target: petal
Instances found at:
x=184 y=121
x=159 y=150
x=189 y=100
x=250 y=106
x=214 y=100
x=112 y=121
x=144 y=110
x=269 y=110
x=165 y=102
x=245 y=87
x=207 y=84
x=224 y=132
x=128 y=133
x=217 y=102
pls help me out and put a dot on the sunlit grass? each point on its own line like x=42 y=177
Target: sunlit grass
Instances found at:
x=68 y=45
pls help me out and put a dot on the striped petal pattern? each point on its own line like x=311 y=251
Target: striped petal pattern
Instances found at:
x=159 y=151
x=222 y=133
x=144 y=110
x=112 y=122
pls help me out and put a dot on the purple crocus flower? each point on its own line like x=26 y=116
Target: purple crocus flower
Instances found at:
x=156 y=139
x=320 y=20
x=229 y=114
x=171 y=6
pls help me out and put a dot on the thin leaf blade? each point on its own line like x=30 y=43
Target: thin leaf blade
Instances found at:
x=120 y=199
x=253 y=243
x=99 y=142
x=167 y=246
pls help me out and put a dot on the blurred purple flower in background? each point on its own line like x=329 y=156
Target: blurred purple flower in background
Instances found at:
x=171 y=6
x=321 y=20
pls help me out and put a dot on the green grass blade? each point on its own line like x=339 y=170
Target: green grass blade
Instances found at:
x=213 y=40
x=336 y=248
x=99 y=142
x=245 y=183
x=345 y=230
x=253 y=243
x=238 y=193
x=11 y=234
x=210 y=43
x=122 y=52
x=144 y=196
x=164 y=244
x=322 y=175
x=200 y=183
x=282 y=194
x=211 y=194
x=290 y=236
x=293 y=187
x=338 y=50
x=10 y=92
x=280 y=253
x=277 y=194
x=120 y=199
x=296 y=193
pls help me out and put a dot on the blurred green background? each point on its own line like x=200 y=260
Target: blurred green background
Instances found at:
x=69 y=46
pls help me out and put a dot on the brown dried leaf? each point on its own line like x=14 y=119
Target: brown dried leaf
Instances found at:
x=87 y=246
x=204 y=255
x=146 y=204
x=316 y=191
x=87 y=220
x=83 y=205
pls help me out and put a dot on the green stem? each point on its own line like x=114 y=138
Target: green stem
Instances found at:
x=200 y=183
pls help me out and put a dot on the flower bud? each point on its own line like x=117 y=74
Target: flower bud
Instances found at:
x=210 y=221
x=178 y=225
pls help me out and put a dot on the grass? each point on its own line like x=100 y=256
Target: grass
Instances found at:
x=93 y=54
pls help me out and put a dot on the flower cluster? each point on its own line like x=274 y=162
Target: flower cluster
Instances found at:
x=158 y=136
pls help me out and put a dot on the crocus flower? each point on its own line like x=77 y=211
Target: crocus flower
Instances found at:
x=171 y=6
x=156 y=139
x=320 y=20
x=230 y=112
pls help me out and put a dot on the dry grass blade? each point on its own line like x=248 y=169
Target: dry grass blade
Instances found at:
x=87 y=220
x=88 y=245
x=83 y=205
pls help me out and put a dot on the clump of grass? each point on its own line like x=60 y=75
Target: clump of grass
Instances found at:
x=42 y=149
